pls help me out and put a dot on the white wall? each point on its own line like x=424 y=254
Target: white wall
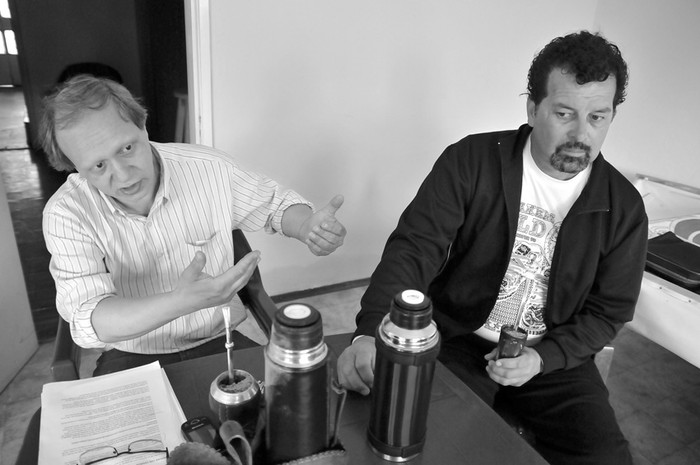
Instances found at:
x=656 y=129
x=361 y=97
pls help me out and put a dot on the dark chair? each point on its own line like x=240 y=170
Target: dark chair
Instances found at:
x=66 y=359
x=95 y=69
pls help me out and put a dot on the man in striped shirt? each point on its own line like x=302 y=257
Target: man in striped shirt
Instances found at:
x=140 y=237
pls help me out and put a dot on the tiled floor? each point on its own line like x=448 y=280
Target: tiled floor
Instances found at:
x=656 y=395
x=29 y=182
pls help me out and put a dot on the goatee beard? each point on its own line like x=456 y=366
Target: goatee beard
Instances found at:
x=567 y=163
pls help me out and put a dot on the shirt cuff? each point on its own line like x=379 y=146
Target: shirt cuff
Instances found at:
x=82 y=331
x=292 y=198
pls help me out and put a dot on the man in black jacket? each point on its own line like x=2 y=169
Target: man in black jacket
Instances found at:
x=532 y=228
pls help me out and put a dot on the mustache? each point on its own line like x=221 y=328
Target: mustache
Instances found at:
x=574 y=146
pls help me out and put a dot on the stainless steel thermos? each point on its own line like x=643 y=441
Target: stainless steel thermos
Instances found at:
x=297 y=386
x=407 y=343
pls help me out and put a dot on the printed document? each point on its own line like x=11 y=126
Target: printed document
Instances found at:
x=112 y=410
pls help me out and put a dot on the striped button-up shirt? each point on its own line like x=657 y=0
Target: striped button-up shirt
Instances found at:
x=98 y=250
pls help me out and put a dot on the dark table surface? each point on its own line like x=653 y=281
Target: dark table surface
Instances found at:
x=462 y=429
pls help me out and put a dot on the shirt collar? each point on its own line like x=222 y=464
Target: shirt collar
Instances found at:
x=163 y=192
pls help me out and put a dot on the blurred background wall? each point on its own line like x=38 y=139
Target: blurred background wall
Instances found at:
x=360 y=98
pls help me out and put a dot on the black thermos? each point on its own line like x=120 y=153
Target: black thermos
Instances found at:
x=297 y=385
x=408 y=343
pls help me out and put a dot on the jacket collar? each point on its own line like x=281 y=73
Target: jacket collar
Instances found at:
x=511 y=145
x=595 y=196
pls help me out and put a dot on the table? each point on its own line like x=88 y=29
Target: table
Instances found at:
x=461 y=427
x=666 y=313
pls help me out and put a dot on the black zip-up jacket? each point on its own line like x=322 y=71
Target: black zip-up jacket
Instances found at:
x=455 y=238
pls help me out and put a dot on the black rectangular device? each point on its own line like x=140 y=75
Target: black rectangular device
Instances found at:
x=201 y=429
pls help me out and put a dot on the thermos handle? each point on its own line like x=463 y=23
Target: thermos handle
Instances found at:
x=237 y=445
x=340 y=395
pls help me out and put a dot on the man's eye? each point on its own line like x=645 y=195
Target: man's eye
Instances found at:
x=99 y=165
x=563 y=114
x=128 y=147
x=597 y=118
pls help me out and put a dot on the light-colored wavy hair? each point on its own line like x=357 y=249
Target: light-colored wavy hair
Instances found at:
x=66 y=105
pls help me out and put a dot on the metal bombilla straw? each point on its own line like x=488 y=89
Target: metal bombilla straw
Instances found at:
x=226 y=310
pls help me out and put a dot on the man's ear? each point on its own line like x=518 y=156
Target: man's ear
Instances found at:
x=531 y=111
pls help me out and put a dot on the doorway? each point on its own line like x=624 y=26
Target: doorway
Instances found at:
x=9 y=68
x=144 y=41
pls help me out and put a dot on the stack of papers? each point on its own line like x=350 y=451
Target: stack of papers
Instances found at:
x=109 y=410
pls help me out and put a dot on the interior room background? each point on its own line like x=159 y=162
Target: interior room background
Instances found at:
x=361 y=97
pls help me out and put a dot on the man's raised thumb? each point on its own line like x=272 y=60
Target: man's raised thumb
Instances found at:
x=335 y=203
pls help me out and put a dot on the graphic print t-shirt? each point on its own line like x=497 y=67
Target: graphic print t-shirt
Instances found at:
x=544 y=203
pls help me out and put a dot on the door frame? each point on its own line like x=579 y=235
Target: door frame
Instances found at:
x=199 y=76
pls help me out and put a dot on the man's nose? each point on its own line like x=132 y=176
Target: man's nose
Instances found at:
x=120 y=171
x=579 y=131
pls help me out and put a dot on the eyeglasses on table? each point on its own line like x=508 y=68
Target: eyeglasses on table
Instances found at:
x=142 y=446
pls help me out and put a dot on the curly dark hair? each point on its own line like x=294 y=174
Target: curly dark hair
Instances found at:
x=590 y=57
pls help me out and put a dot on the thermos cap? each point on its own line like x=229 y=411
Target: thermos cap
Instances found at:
x=297 y=327
x=296 y=313
x=411 y=309
x=409 y=326
x=296 y=340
